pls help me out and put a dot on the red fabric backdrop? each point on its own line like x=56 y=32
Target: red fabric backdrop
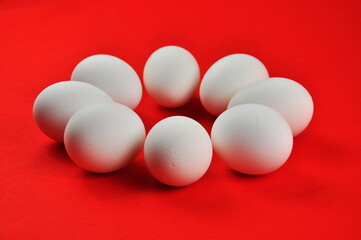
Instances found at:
x=315 y=195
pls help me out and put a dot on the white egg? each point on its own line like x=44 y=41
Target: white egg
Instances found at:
x=286 y=96
x=113 y=76
x=252 y=139
x=104 y=137
x=225 y=77
x=178 y=151
x=55 y=105
x=171 y=76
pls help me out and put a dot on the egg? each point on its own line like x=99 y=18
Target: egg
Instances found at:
x=252 y=139
x=113 y=75
x=55 y=105
x=225 y=77
x=286 y=96
x=171 y=76
x=178 y=151
x=104 y=138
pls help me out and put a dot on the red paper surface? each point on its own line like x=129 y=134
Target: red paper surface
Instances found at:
x=315 y=195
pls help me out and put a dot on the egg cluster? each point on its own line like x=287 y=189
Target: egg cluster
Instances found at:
x=257 y=116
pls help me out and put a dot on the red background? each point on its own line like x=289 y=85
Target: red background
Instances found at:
x=315 y=195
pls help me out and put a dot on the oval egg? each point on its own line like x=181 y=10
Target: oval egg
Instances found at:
x=252 y=139
x=178 y=151
x=104 y=138
x=55 y=105
x=225 y=77
x=171 y=76
x=113 y=75
x=286 y=96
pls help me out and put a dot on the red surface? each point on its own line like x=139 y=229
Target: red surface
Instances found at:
x=315 y=195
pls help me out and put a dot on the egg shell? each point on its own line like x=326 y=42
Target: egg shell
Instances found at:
x=104 y=138
x=178 y=151
x=171 y=76
x=226 y=77
x=113 y=75
x=55 y=105
x=286 y=96
x=252 y=139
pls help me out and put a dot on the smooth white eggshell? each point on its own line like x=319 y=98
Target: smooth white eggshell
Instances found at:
x=113 y=75
x=286 y=96
x=104 y=137
x=55 y=105
x=252 y=139
x=171 y=76
x=178 y=151
x=225 y=77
